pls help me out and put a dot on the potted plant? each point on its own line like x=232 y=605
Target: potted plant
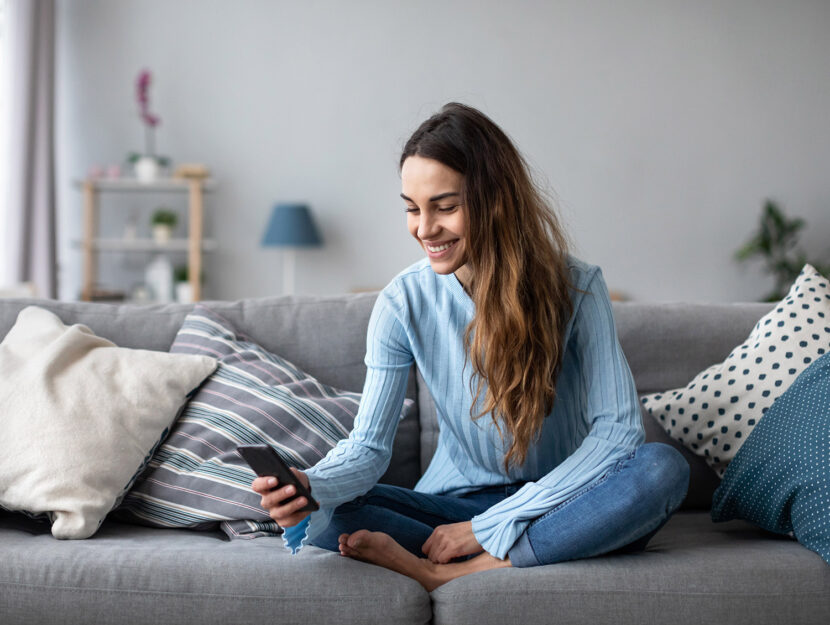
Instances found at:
x=776 y=241
x=147 y=166
x=163 y=222
x=181 y=279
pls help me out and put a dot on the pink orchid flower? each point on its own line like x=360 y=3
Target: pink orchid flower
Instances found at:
x=143 y=97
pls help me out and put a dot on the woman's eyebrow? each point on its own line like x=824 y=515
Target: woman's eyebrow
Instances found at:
x=434 y=198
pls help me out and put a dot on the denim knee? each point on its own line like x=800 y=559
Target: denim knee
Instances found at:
x=668 y=471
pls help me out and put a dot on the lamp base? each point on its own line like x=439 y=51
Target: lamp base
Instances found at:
x=288 y=264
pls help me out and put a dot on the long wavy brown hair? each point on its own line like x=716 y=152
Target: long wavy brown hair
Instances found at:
x=517 y=252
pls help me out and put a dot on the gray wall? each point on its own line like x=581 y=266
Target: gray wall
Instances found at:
x=661 y=126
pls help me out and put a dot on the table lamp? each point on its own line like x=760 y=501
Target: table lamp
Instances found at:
x=291 y=226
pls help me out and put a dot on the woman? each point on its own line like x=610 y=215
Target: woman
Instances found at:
x=540 y=456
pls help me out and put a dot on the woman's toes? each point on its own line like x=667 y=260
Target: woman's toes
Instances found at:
x=357 y=539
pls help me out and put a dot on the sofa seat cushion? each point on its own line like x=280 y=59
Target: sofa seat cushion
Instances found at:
x=134 y=574
x=693 y=571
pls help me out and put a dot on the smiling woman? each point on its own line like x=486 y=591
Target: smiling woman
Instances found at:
x=558 y=469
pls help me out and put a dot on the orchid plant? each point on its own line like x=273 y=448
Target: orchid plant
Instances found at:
x=150 y=120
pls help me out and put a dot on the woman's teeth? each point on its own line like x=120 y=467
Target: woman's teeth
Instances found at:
x=440 y=248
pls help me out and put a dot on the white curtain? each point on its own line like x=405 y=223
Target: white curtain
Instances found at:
x=28 y=251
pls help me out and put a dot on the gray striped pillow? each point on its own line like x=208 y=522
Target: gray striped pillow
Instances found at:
x=196 y=479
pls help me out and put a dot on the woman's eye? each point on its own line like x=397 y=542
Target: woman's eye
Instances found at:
x=410 y=209
x=447 y=209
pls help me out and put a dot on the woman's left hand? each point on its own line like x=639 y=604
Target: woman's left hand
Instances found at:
x=451 y=541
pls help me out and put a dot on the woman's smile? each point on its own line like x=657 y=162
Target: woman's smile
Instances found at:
x=439 y=250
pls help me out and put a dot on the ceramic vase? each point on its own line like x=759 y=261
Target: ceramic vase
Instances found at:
x=161 y=233
x=147 y=169
x=184 y=293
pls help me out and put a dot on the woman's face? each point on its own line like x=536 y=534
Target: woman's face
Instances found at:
x=434 y=213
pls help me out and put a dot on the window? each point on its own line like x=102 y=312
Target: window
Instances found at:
x=4 y=147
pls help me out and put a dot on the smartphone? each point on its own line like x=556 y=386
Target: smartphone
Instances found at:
x=266 y=462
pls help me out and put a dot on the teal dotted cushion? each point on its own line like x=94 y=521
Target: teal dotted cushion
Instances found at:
x=780 y=477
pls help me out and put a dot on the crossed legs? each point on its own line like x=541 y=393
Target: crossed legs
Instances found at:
x=620 y=512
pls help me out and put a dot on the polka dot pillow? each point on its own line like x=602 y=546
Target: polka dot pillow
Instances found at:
x=717 y=410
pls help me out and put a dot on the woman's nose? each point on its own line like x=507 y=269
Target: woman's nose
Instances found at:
x=427 y=226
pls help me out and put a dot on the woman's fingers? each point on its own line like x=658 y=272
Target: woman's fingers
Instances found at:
x=286 y=514
x=443 y=557
x=281 y=512
x=435 y=545
x=264 y=485
x=274 y=498
x=451 y=541
x=436 y=556
x=427 y=546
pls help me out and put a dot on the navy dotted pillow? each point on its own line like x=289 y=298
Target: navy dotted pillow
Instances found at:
x=780 y=478
x=717 y=410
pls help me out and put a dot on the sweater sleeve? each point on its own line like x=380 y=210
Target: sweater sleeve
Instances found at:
x=612 y=409
x=353 y=466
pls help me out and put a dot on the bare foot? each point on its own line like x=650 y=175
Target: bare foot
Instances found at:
x=381 y=549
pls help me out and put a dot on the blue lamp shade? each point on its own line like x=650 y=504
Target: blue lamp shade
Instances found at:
x=291 y=225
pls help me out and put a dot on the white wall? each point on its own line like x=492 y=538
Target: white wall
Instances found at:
x=661 y=125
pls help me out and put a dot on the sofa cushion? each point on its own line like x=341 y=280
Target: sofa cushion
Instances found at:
x=196 y=478
x=81 y=417
x=715 y=412
x=692 y=571
x=133 y=574
x=778 y=479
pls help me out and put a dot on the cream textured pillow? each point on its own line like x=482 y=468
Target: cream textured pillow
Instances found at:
x=80 y=417
x=717 y=410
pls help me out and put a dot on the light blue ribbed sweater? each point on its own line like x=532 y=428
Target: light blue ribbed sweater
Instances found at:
x=420 y=317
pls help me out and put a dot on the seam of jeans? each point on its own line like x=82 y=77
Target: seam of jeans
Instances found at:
x=615 y=469
x=533 y=551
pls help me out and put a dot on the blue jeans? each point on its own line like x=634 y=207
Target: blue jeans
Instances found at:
x=620 y=512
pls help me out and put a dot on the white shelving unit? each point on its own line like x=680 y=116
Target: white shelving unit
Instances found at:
x=194 y=244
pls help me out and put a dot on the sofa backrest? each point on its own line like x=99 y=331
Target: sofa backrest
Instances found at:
x=324 y=336
x=666 y=345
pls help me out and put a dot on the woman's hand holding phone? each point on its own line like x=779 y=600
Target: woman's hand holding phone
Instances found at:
x=286 y=493
x=273 y=495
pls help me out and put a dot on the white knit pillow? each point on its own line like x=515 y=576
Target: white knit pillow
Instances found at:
x=80 y=417
x=718 y=409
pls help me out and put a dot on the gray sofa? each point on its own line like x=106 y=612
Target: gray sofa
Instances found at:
x=693 y=571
